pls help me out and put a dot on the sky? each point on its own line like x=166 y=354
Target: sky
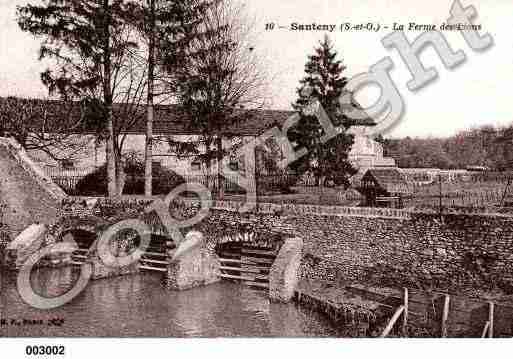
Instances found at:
x=476 y=93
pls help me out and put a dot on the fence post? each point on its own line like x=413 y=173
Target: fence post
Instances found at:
x=485 y=330
x=490 y=319
x=445 y=315
x=392 y=321
x=440 y=194
x=405 y=314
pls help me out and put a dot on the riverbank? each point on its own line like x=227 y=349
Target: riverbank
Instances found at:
x=364 y=311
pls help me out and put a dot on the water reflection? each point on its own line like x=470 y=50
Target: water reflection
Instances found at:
x=138 y=306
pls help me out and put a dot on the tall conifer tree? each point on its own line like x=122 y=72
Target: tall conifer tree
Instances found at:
x=325 y=83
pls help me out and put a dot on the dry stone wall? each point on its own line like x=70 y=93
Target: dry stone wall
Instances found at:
x=390 y=247
x=456 y=253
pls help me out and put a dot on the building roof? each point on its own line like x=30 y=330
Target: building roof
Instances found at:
x=389 y=179
x=68 y=117
x=168 y=120
x=505 y=135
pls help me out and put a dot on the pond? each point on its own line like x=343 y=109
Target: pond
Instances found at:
x=139 y=306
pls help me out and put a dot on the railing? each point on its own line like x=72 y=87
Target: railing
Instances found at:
x=68 y=180
x=403 y=309
x=484 y=192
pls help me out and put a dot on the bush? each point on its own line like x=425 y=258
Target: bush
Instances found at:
x=279 y=183
x=95 y=183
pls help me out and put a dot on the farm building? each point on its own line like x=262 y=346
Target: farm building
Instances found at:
x=78 y=123
x=384 y=187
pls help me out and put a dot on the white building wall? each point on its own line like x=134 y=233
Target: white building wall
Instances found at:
x=93 y=155
x=366 y=152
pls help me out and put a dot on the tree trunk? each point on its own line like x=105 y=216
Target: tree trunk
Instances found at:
x=107 y=93
x=120 y=176
x=211 y=180
x=150 y=110
x=220 y=178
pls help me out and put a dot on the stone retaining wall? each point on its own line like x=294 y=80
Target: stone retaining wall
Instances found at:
x=459 y=253
x=305 y=209
x=389 y=247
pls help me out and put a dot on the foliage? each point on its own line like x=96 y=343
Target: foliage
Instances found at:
x=323 y=82
x=74 y=36
x=97 y=48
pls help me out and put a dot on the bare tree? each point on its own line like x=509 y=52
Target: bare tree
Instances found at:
x=219 y=80
x=38 y=125
x=129 y=87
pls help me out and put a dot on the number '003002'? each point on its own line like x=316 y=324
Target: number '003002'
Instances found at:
x=44 y=350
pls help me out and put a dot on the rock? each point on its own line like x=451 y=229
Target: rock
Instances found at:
x=25 y=244
x=193 y=265
x=284 y=273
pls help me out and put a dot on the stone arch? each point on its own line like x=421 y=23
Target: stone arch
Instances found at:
x=85 y=228
x=250 y=238
x=84 y=236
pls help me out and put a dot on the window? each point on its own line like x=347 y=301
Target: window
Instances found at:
x=234 y=165
x=156 y=165
x=67 y=164
x=196 y=166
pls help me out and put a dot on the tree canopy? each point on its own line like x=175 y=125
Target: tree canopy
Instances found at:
x=485 y=146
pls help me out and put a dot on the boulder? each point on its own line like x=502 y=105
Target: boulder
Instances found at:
x=284 y=273
x=24 y=245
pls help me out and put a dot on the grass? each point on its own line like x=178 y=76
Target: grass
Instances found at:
x=460 y=194
x=304 y=195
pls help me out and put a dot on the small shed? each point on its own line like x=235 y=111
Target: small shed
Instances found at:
x=384 y=187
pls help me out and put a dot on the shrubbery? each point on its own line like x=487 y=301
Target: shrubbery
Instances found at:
x=95 y=183
x=165 y=180
x=280 y=183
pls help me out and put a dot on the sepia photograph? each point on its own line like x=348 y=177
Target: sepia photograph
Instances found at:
x=330 y=171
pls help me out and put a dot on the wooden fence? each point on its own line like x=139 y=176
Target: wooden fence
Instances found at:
x=68 y=180
x=496 y=190
x=477 y=192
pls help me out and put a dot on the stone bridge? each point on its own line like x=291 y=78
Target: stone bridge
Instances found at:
x=266 y=257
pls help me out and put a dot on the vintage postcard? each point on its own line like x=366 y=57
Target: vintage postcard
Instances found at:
x=255 y=169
